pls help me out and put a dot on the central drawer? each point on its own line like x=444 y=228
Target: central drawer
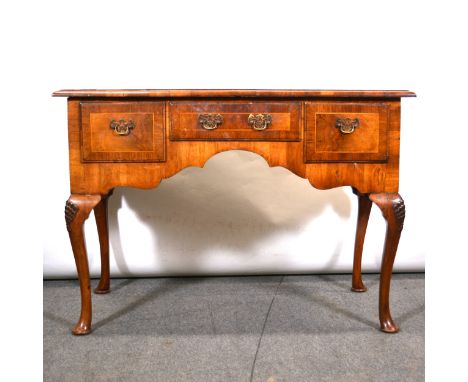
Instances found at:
x=235 y=121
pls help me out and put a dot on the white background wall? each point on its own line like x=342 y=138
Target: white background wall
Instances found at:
x=413 y=45
x=236 y=215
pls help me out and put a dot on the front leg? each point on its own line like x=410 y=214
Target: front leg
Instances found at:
x=393 y=210
x=77 y=210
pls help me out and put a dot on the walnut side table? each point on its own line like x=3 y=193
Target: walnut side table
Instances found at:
x=136 y=138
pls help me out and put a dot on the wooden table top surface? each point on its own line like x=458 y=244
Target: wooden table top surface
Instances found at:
x=231 y=93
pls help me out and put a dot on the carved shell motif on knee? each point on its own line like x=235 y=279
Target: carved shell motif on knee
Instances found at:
x=399 y=211
x=70 y=211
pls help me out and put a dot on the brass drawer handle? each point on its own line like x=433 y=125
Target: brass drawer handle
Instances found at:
x=259 y=121
x=347 y=125
x=210 y=121
x=122 y=127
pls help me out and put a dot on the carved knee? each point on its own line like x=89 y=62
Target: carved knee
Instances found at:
x=392 y=206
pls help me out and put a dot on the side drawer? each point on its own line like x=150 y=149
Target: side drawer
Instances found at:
x=235 y=121
x=122 y=132
x=346 y=132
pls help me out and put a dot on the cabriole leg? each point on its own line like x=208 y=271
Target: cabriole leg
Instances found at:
x=100 y=214
x=393 y=210
x=364 y=209
x=77 y=210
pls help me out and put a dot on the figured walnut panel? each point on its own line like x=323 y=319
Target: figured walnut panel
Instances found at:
x=233 y=121
x=122 y=132
x=346 y=132
x=94 y=177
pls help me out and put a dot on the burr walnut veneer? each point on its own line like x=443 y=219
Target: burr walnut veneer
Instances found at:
x=136 y=138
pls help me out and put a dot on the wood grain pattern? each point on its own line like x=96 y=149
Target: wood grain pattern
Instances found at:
x=99 y=178
x=324 y=142
x=286 y=121
x=229 y=93
x=145 y=142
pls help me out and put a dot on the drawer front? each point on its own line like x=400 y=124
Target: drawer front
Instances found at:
x=235 y=121
x=122 y=132
x=346 y=132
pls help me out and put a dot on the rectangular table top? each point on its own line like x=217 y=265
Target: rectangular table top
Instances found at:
x=230 y=93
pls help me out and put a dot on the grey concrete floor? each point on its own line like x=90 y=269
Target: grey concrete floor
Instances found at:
x=261 y=328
